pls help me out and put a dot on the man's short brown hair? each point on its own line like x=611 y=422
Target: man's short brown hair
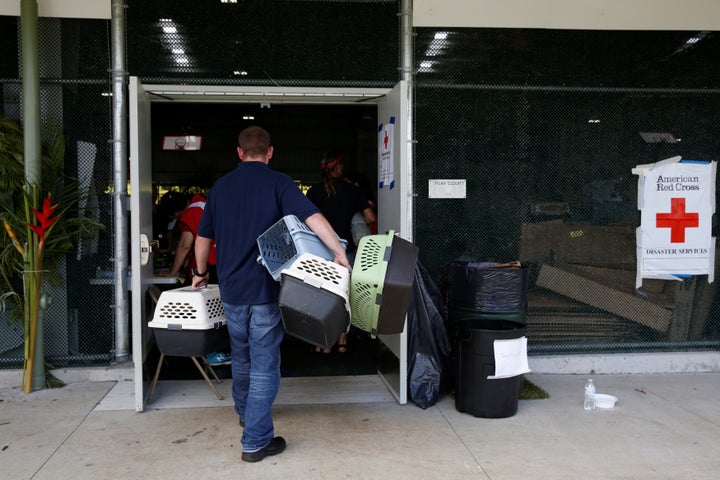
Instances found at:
x=254 y=141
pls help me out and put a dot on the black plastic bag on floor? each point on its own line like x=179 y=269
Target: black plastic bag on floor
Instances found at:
x=428 y=344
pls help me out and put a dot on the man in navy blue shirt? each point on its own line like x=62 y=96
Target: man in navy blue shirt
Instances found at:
x=240 y=207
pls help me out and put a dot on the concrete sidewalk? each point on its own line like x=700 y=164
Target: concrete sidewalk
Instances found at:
x=665 y=426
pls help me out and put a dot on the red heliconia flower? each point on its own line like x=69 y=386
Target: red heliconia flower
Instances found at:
x=44 y=218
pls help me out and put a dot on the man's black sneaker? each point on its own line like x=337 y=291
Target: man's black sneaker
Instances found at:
x=276 y=445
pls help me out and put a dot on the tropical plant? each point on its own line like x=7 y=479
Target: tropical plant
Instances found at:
x=38 y=231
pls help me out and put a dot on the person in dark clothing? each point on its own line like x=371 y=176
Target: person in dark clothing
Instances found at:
x=240 y=206
x=339 y=200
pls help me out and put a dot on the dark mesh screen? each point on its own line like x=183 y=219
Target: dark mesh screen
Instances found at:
x=264 y=42
x=79 y=325
x=544 y=126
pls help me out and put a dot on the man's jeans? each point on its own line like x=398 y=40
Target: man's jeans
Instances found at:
x=256 y=332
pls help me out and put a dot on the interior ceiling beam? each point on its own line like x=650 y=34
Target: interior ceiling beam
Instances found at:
x=214 y=93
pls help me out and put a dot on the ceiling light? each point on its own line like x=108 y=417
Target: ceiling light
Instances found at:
x=659 y=137
x=426 y=66
x=174 y=42
x=240 y=72
x=690 y=42
x=696 y=38
x=436 y=48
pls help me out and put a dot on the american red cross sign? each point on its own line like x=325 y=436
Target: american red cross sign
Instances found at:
x=677 y=201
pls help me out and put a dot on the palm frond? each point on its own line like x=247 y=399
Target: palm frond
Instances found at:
x=12 y=167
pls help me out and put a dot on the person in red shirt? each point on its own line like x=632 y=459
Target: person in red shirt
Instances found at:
x=184 y=255
x=185 y=259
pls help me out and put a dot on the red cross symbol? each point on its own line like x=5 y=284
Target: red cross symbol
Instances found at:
x=677 y=220
x=386 y=139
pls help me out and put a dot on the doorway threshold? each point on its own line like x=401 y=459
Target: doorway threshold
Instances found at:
x=171 y=394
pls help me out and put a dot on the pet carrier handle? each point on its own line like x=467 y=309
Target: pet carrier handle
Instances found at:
x=312 y=281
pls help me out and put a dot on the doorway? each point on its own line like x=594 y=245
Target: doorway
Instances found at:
x=297 y=109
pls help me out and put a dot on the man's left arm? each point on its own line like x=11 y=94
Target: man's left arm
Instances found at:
x=322 y=228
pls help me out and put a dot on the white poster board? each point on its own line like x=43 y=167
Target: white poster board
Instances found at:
x=677 y=201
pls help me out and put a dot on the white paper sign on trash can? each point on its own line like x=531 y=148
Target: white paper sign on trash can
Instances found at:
x=510 y=358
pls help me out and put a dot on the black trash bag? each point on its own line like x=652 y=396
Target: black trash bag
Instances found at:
x=428 y=344
x=484 y=287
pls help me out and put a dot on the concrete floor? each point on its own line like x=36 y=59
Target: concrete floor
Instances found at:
x=665 y=426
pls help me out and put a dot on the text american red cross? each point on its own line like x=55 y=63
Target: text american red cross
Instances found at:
x=677 y=220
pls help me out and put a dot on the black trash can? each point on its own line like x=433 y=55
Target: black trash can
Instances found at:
x=475 y=359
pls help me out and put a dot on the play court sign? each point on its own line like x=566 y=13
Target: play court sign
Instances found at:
x=677 y=201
